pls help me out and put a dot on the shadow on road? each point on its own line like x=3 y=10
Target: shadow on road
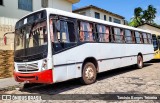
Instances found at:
x=57 y=88
x=154 y=61
x=119 y=71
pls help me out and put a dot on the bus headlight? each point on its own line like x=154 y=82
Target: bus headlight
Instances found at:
x=44 y=65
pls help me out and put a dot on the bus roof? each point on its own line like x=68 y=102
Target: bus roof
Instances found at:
x=91 y=19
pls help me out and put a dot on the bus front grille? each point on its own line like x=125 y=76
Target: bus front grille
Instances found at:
x=28 y=67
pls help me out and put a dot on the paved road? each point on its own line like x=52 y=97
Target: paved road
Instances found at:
x=122 y=80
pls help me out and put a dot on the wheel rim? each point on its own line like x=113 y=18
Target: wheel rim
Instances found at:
x=89 y=73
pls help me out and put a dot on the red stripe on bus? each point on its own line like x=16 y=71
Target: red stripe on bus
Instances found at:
x=38 y=77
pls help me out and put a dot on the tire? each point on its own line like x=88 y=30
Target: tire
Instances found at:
x=89 y=73
x=139 y=62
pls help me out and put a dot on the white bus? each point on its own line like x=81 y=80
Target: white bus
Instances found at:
x=53 y=46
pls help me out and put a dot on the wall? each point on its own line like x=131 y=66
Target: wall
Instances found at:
x=6 y=64
x=102 y=15
x=60 y=4
x=154 y=30
x=10 y=8
x=91 y=13
x=10 y=11
x=87 y=12
x=7 y=25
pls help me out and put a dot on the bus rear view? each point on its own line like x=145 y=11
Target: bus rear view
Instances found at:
x=31 y=49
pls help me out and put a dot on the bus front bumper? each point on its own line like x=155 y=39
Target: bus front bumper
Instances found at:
x=38 y=77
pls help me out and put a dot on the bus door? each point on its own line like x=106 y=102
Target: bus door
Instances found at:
x=158 y=39
x=65 y=39
x=156 y=47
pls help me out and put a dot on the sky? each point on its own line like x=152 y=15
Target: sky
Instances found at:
x=122 y=7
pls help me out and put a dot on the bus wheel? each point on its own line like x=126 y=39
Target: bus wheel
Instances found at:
x=139 y=62
x=89 y=73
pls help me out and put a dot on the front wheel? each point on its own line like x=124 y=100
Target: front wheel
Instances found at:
x=139 y=62
x=89 y=73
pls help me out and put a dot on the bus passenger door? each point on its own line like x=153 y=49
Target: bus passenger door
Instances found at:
x=65 y=40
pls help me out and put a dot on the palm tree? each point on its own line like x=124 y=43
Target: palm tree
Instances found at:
x=151 y=13
x=137 y=19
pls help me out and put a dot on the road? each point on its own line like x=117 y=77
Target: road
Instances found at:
x=121 y=80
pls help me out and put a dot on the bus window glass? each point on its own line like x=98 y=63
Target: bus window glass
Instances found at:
x=145 y=39
x=155 y=42
x=138 y=37
x=86 y=33
x=65 y=32
x=158 y=37
x=149 y=38
x=103 y=33
x=118 y=35
x=128 y=36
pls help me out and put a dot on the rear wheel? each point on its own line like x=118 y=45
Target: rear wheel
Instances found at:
x=89 y=73
x=139 y=62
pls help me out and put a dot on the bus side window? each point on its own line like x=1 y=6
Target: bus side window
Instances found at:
x=138 y=37
x=128 y=36
x=118 y=35
x=66 y=32
x=149 y=38
x=103 y=33
x=86 y=32
x=145 y=39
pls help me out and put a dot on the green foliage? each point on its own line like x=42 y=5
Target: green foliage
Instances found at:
x=143 y=16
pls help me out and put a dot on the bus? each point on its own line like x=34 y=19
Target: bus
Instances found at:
x=156 y=44
x=52 y=46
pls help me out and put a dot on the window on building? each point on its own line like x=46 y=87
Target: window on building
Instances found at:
x=44 y=3
x=105 y=17
x=97 y=15
x=25 y=5
x=138 y=37
x=1 y=2
x=86 y=32
x=103 y=33
x=118 y=35
x=117 y=21
x=110 y=19
x=128 y=36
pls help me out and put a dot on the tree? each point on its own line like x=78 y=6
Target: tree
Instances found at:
x=149 y=14
x=137 y=19
x=143 y=16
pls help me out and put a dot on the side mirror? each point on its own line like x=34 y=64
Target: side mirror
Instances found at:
x=5 y=40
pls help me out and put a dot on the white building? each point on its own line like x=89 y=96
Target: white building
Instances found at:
x=19 y=8
x=100 y=13
x=12 y=10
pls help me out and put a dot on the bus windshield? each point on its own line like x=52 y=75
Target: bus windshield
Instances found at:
x=31 y=39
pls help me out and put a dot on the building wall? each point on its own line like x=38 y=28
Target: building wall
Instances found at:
x=154 y=30
x=91 y=13
x=10 y=8
x=85 y=12
x=61 y=4
x=9 y=15
x=7 y=25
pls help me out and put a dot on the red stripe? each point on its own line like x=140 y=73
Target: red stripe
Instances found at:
x=39 y=77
